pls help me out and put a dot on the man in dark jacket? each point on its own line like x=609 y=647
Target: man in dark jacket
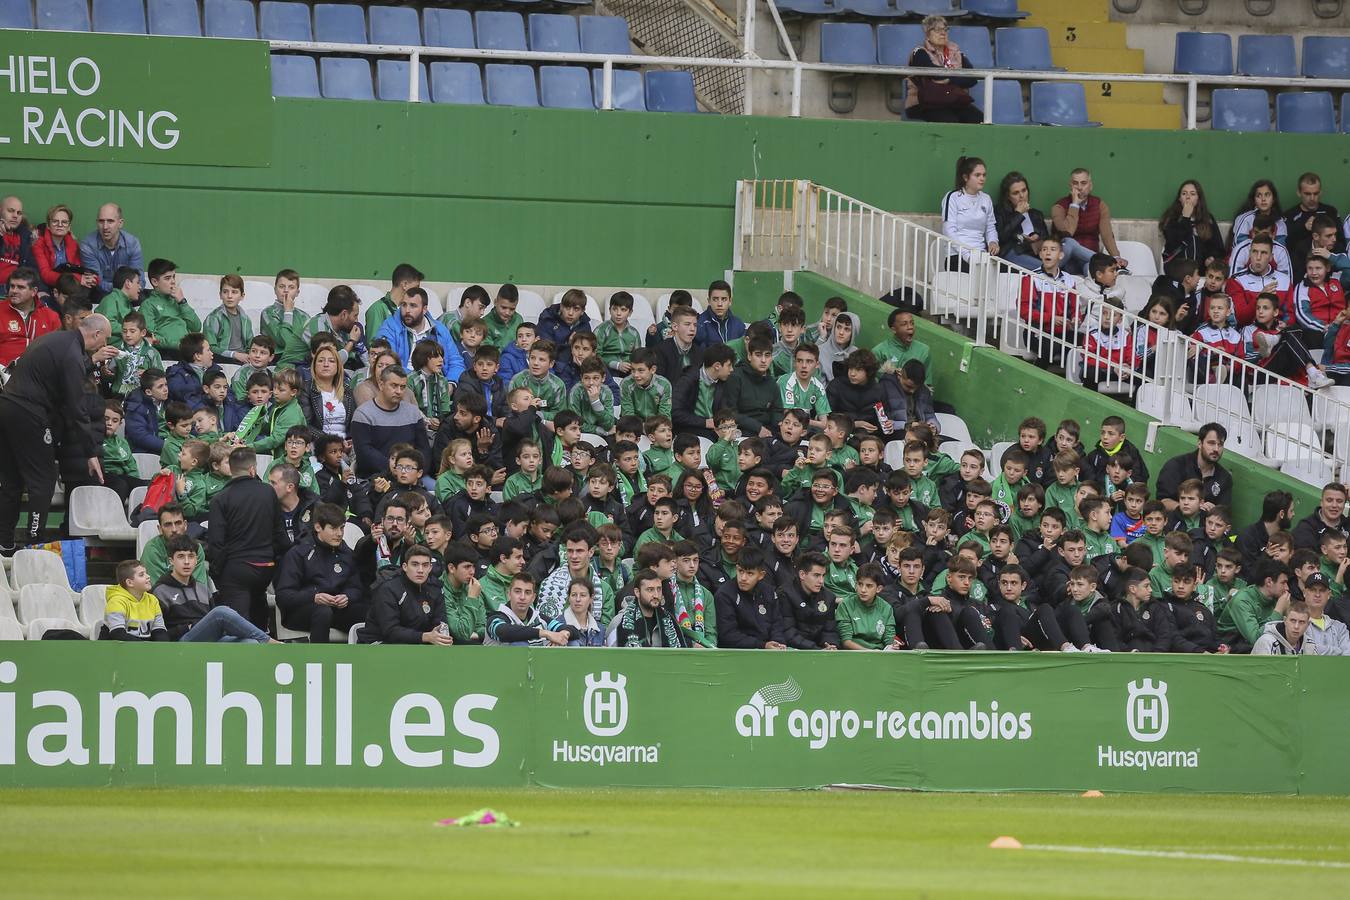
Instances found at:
x=1194 y=625
x=679 y=354
x=1277 y=511
x=1329 y=516
x=748 y=615
x=317 y=585
x=752 y=393
x=701 y=393
x=386 y=420
x=41 y=408
x=243 y=532
x=807 y=607
x=408 y=608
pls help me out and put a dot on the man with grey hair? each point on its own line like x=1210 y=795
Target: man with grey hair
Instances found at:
x=42 y=407
x=380 y=423
x=16 y=238
x=109 y=247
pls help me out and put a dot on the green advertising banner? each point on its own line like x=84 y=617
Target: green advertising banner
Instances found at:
x=418 y=717
x=131 y=98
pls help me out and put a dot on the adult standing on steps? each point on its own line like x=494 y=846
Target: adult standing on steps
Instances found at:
x=41 y=407
x=244 y=530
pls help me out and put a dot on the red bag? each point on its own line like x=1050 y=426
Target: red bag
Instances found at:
x=159 y=492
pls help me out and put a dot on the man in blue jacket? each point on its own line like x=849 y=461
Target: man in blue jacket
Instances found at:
x=718 y=324
x=414 y=325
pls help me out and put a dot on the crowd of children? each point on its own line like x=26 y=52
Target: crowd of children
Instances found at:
x=708 y=483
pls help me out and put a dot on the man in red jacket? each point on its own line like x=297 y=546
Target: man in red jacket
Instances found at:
x=1256 y=278
x=15 y=238
x=22 y=319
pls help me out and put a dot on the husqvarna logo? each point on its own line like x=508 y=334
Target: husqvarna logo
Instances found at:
x=605 y=704
x=1146 y=714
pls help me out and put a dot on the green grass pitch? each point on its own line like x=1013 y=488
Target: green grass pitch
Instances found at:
x=343 y=843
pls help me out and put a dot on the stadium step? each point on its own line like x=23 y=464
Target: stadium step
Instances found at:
x=1122 y=92
x=1162 y=116
x=1073 y=34
x=1084 y=39
x=1045 y=12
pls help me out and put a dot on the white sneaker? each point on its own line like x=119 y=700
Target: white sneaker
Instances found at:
x=1069 y=648
x=1265 y=342
x=1093 y=648
x=1317 y=379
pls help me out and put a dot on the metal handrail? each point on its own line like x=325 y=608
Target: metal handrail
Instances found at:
x=987 y=77
x=786 y=225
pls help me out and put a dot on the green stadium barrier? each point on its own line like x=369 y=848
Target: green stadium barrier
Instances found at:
x=105 y=714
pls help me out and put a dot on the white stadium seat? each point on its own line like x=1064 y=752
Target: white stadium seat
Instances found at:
x=93 y=605
x=39 y=567
x=953 y=426
x=46 y=601
x=96 y=511
x=351 y=534
x=1139 y=257
x=147 y=465
x=1222 y=403
x=1315 y=472
x=10 y=630
x=145 y=533
x=1280 y=403
x=530 y=307
x=1151 y=400
x=642 y=317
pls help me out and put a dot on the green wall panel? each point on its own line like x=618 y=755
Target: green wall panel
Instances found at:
x=556 y=196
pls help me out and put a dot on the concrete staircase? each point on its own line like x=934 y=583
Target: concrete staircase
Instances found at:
x=1084 y=39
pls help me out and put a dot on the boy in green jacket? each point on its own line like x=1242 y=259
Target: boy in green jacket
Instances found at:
x=864 y=623
x=284 y=414
x=464 y=613
x=120 y=471
x=284 y=323
x=168 y=316
x=227 y=329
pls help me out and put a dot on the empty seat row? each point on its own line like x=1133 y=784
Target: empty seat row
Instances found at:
x=1261 y=55
x=327 y=22
x=1248 y=109
x=903 y=9
x=500 y=84
x=859 y=44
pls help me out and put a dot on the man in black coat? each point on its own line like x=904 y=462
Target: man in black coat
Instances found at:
x=748 y=615
x=808 y=607
x=408 y=608
x=244 y=530
x=42 y=407
x=317 y=585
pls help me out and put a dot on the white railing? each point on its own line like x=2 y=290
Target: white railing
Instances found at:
x=1180 y=381
x=793 y=67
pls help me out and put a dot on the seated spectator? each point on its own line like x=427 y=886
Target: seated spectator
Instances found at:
x=1257 y=277
x=1263 y=197
x=1204 y=465
x=408 y=608
x=968 y=214
x=1020 y=225
x=1264 y=600
x=132 y=613
x=517 y=620
x=415 y=325
x=227 y=329
x=341 y=320
x=865 y=621
x=701 y=392
x=109 y=247
x=473 y=302
x=578 y=622
x=1108 y=346
x=1263 y=227
x=1288 y=636
x=16 y=239
x=1329 y=516
x=185 y=377
x=56 y=251
x=513 y=358
x=547 y=389
x=22 y=318
x=1273 y=345
x=317 y=585
x=616 y=339
x=168 y=315
x=1300 y=222
x=1318 y=299
x=185 y=599
x=560 y=321
x=718 y=324
x=679 y=352
x=837 y=345
x=908 y=397
x=1086 y=219
x=1219 y=333
x=1189 y=230
x=1113 y=443
x=751 y=392
x=1099 y=283
x=859 y=396
x=934 y=99
x=138 y=355
x=1181 y=280
x=124 y=298
x=1049 y=304
x=384 y=421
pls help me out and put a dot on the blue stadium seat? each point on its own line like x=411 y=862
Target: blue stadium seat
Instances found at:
x=565 y=87
x=16 y=14
x=671 y=92
x=511 y=85
x=627 y=90
x=1023 y=48
x=552 y=33
x=177 y=18
x=873 y=9
x=1312 y=112
x=339 y=23
x=63 y=15
x=395 y=25
x=345 y=79
x=1345 y=113
x=448 y=28
x=1240 y=109
x=1008 y=106
x=993 y=9
x=604 y=34
x=1203 y=53
x=847 y=43
x=1060 y=103
x=294 y=76
x=456 y=82
x=391 y=80
x=788 y=8
x=974 y=43
x=946 y=8
x=1266 y=55
x=499 y=30
x=285 y=21
x=231 y=19
x=1326 y=57
x=895 y=43
x=119 y=16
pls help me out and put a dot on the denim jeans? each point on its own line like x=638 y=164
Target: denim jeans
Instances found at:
x=1076 y=257
x=223 y=625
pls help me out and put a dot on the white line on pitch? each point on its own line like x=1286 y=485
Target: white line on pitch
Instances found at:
x=1182 y=854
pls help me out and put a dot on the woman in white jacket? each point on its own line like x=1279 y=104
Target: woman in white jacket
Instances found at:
x=968 y=213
